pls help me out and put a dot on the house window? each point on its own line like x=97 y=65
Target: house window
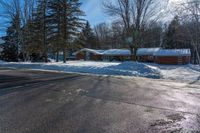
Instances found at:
x=150 y=57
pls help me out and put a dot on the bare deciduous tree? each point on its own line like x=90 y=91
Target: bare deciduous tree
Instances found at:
x=21 y=13
x=102 y=33
x=189 y=12
x=12 y=12
x=134 y=14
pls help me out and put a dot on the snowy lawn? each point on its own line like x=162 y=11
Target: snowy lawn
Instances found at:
x=190 y=73
x=90 y=67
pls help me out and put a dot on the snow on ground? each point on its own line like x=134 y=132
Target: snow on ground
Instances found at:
x=195 y=67
x=190 y=73
x=1 y=61
x=179 y=72
x=90 y=67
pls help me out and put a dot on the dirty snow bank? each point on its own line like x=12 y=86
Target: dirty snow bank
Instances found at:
x=100 y=68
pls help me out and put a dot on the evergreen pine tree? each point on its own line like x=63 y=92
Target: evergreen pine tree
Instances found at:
x=12 y=42
x=87 y=38
x=64 y=16
x=55 y=38
x=36 y=37
x=171 y=35
x=42 y=16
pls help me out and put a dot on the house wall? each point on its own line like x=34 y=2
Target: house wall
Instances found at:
x=173 y=60
x=133 y=58
x=91 y=56
x=80 y=56
x=145 y=58
x=118 y=57
x=95 y=57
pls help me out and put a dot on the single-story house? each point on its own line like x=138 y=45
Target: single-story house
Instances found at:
x=157 y=55
x=99 y=55
x=89 y=54
x=117 y=55
x=146 y=54
x=173 y=56
x=1 y=45
x=1 y=49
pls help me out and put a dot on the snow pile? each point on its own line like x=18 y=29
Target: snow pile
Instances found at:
x=137 y=69
x=190 y=73
x=185 y=73
x=100 y=68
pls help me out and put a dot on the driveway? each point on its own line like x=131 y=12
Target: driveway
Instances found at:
x=49 y=102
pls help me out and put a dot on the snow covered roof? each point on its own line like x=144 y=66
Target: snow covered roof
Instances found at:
x=147 y=51
x=173 y=52
x=1 y=41
x=106 y=52
x=117 y=52
x=1 y=49
x=89 y=50
x=92 y=51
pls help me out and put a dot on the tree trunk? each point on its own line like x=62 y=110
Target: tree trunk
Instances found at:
x=65 y=37
x=44 y=34
x=64 y=55
x=133 y=52
x=131 y=49
x=197 y=55
x=57 y=54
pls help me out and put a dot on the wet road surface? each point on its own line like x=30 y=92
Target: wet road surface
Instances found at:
x=48 y=102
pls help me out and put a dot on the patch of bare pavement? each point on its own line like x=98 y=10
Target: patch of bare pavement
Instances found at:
x=47 y=102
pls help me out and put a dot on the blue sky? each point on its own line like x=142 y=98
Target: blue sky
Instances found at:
x=93 y=11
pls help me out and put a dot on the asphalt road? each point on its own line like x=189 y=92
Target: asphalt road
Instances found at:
x=48 y=102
